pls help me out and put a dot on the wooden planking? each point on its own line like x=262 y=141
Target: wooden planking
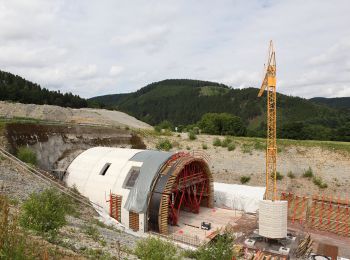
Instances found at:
x=134 y=221
x=115 y=204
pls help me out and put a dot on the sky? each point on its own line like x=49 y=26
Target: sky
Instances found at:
x=93 y=48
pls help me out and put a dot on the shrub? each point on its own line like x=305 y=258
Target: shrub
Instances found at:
x=157 y=129
x=258 y=145
x=155 y=249
x=217 y=142
x=166 y=125
x=291 y=175
x=25 y=154
x=188 y=148
x=204 y=147
x=219 y=248
x=308 y=173
x=231 y=146
x=45 y=212
x=14 y=242
x=319 y=182
x=244 y=179
x=247 y=148
x=164 y=145
x=226 y=142
x=196 y=130
x=192 y=135
x=279 y=176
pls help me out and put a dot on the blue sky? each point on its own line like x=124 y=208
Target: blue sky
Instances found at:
x=109 y=46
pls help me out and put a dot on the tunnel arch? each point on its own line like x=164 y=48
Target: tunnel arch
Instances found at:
x=184 y=183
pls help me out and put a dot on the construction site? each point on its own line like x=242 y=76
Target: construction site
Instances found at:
x=173 y=195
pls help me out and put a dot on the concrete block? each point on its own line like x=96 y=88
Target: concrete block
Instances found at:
x=273 y=218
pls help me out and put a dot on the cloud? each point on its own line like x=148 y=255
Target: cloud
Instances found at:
x=85 y=46
x=115 y=70
x=151 y=39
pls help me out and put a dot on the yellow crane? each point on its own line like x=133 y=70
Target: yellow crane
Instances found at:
x=269 y=84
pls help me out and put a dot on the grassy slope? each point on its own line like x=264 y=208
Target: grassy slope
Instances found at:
x=255 y=143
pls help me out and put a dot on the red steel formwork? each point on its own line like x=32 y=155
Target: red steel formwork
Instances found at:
x=324 y=213
x=187 y=191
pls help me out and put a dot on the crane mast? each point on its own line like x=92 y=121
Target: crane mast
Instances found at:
x=269 y=84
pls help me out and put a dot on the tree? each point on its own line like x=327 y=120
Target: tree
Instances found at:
x=222 y=124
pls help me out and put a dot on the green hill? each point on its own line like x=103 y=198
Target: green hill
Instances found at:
x=339 y=102
x=184 y=102
x=18 y=89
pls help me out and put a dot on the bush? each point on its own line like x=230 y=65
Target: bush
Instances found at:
x=14 y=243
x=164 y=145
x=192 y=135
x=244 y=179
x=204 y=147
x=279 y=176
x=155 y=249
x=247 y=148
x=166 y=125
x=258 y=145
x=45 y=212
x=308 y=173
x=291 y=175
x=319 y=182
x=219 y=248
x=25 y=154
x=217 y=142
x=226 y=142
x=231 y=146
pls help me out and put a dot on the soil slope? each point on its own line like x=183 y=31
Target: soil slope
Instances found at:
x=69 y=115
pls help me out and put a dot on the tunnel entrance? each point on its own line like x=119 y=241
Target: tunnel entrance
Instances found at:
x=190 y=187
x=184 y=184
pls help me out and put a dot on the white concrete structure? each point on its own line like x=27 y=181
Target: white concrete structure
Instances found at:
x=239 y=197
x=273 y=218
x=134 y=186
x=87 y=174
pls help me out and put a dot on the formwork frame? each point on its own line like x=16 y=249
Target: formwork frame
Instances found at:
x=187 y=192
x=115 y=204
x=184 y=182
x=324 y=213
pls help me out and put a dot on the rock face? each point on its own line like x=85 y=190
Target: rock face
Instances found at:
x=57 y=145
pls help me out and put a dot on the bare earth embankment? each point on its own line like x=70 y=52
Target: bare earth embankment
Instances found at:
x=70 y=115
x=328 y=160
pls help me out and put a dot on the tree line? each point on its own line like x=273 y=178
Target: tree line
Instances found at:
x=17 y=89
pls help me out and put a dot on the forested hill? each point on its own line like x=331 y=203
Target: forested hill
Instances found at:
x=183 y=102
x=339 y=102
x=18 y=89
